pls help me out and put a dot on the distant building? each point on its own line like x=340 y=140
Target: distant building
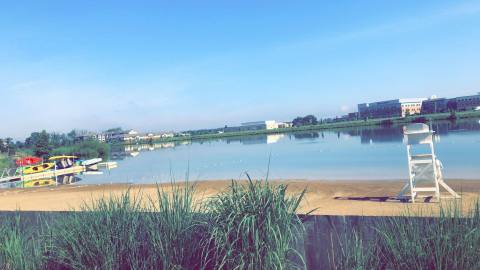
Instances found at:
x=347 y=117
x=269 y=124
x=390 y=108
x=167 y=135
x=130 y=135
x=352 y=116
x=152 y=136
x=435 y=105
x=101 y=137
x=85 y=135
x=285 y=124
x=467 y=103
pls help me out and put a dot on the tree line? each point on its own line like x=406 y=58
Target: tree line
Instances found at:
x=308 y=120
x=44 y=144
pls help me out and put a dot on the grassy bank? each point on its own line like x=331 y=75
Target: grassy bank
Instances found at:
x=249 y=226
x=86 y=149
x=328 y=126
x=451 y=241
x=4 y=162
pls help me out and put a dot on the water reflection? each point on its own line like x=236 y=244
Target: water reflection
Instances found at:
x=255 y=139
x=307 y=135
x=120 y=152
x=54 y=181
x=367 y=135
x=348 y=153
x=378 y=134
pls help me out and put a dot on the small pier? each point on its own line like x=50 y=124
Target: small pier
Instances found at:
x=43 y=175
x=54 y=173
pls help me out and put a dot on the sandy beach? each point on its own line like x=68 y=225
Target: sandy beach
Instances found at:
x=369 y=198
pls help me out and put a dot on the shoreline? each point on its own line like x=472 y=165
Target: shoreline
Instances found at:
x=327 y=197
x=319 y=127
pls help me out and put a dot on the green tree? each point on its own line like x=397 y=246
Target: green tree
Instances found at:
x=8 y=146
x=310 y=120
x=41 y=146
x=30 y=141
x=114 y=130
x=11 y=147
x=305 y=121
x=3 y=146
x=72 y=135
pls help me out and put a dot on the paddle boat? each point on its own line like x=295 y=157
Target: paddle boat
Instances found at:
x=37 y=183
x=28 y=161
x=90 y=162
x=63 y=162
x=38 y=168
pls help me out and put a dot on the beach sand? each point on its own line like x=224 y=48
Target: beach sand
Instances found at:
x=368 y=198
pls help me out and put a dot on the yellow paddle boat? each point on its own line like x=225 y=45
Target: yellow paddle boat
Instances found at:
x=38 y=183
x=62 y=157
x=38 y=168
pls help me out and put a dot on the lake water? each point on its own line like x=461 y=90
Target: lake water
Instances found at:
x=360 y=153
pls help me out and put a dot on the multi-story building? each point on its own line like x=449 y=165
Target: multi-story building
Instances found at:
x=390 y=108
x=435 y=105
x=467 y=103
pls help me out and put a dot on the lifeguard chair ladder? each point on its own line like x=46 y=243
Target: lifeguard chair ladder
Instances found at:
x=423 y=166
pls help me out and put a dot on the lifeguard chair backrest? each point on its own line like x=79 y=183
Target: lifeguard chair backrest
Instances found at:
x=417 y=133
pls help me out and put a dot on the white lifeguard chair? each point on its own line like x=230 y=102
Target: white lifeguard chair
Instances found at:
x=425 y=170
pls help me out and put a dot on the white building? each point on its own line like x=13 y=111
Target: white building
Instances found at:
x=411 y=106
x=268 y=124
x=167 y=135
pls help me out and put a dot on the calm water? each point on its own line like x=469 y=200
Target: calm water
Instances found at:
x=363 y=153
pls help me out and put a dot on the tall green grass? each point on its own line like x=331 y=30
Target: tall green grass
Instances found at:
x=20 y=245
x=450 y=241
x=109 y=234
x=125 y=233
x=4 y=162
x=174 y=229
x=253 y=227
x=353 y=249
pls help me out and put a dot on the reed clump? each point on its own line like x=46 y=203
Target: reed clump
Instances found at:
x=108 y=234
x=253 y=226
x=20 y=245
x=449 y=241
x=124 y=233
x=174 y=229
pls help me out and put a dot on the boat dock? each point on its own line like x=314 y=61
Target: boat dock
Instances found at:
x=43 y=175
x=54 y=173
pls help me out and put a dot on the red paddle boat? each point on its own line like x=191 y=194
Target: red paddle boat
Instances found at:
x=28 y=161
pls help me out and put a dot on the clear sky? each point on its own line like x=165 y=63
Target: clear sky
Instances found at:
x=177 y=65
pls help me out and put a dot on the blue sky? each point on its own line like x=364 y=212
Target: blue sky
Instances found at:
x=176 y=65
